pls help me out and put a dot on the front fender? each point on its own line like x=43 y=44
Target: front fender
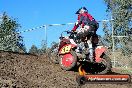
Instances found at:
x=67 y=48
x=98 y=52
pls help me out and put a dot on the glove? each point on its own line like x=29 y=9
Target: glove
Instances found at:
x=74 y=31
x=76 y=23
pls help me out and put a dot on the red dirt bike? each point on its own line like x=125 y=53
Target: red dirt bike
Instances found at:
x=68 y=58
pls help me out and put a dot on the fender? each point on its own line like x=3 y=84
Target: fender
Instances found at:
x=67 y=48
x=98 y=52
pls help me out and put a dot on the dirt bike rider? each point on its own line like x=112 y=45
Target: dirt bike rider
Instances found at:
x=88 y=26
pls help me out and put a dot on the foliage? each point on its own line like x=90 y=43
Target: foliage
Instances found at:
x=121 y=13
x=33 y=50
x=43 y=46
x=39 y=51
x=54 y=45
x=10 y=40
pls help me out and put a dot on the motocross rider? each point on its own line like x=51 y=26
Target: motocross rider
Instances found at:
x=88 y=27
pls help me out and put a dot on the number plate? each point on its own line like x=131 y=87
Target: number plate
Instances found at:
x=66 y=49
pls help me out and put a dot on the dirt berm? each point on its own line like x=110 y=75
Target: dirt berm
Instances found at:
x=30 y=71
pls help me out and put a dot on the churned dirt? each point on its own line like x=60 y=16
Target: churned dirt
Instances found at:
x=30 y=71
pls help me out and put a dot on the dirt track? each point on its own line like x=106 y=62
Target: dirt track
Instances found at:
x=28 y=71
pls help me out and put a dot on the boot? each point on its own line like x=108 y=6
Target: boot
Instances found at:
x=91 y=58
x=91 y=55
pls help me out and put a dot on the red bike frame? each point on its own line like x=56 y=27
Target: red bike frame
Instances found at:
x=98 y=52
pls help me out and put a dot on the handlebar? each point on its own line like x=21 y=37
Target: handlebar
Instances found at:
x=68 y=32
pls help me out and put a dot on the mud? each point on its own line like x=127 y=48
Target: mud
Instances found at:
x=32 y=71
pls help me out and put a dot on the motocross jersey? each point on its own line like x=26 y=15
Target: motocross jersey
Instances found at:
x=85 y=19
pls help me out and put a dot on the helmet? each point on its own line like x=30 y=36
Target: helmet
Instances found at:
x=82 y=8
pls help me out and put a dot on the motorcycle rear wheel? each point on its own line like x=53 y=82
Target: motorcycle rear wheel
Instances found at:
x=102 y=67
x=107 y=61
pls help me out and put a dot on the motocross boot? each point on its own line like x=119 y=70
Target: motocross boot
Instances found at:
x=90 y=50
x=91 y=55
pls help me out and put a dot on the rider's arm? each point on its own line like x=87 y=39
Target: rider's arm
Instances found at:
x=90 y=16
x=93 y=21
x=75 y=27
x=79 y=21
x=76 y=24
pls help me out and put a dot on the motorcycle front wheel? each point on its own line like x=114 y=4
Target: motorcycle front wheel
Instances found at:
x=68 y=61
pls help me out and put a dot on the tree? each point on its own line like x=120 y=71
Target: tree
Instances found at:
x=43 y=46
x=54 y=45
x=10 y=40
x=33 y=50
x=23 y=49
x=54 y=48
x=121 y=12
